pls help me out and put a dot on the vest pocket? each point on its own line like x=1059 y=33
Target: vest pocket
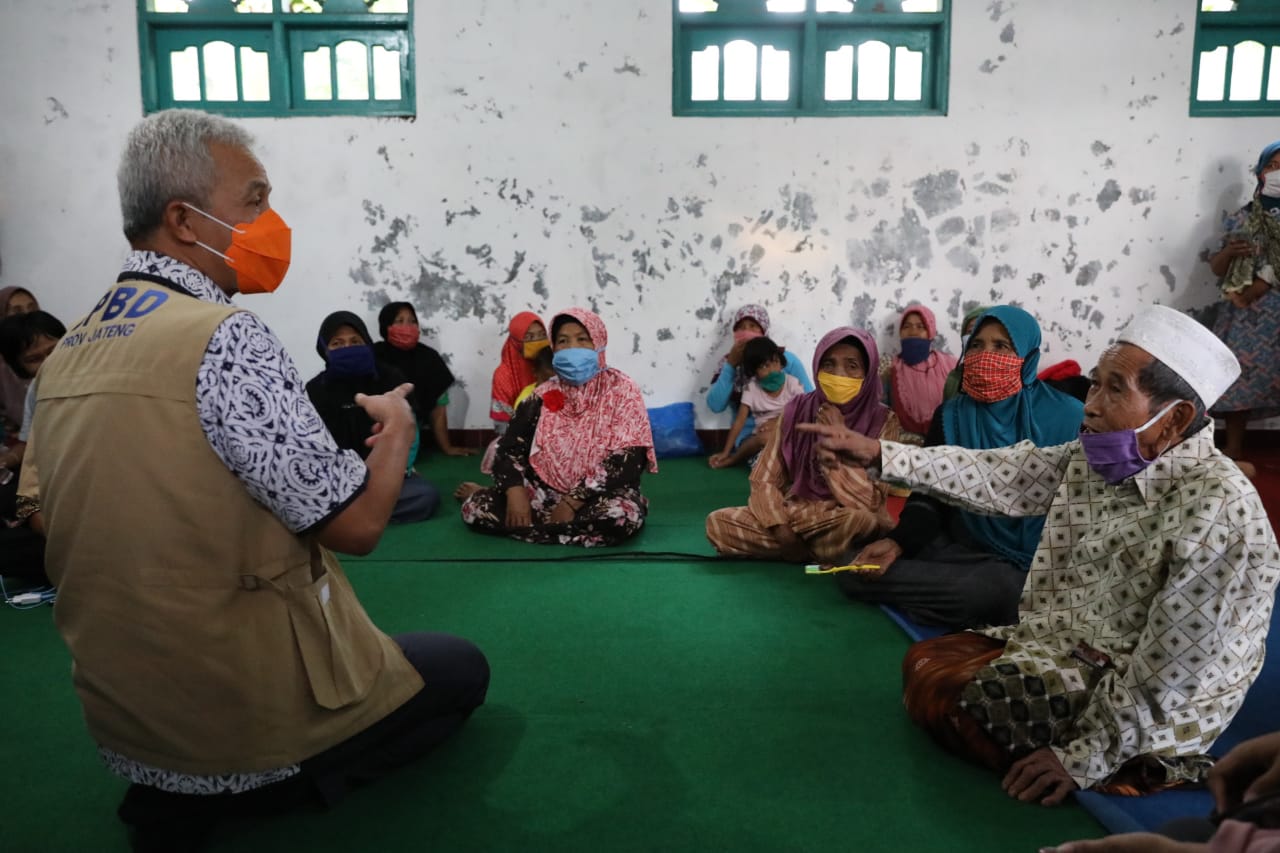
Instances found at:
x=341 y=656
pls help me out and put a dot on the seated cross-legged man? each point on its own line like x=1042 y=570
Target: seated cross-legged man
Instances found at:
x=1146 y=609
x=190 y=495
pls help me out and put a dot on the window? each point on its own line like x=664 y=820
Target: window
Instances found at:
x=1237 y=51
x=810 y=57
x=278 y=57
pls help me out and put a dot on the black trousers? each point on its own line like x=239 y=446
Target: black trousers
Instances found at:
x=457 y=678
x=947 y=583
x=21 y=548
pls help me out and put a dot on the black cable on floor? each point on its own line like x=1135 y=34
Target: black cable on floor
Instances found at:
x=626 y=557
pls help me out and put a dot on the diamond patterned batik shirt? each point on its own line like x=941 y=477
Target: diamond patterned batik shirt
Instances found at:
x=1172 y=573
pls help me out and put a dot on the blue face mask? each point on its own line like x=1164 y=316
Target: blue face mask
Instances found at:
x=915 y=350
x=575 y=366
x=352 y=362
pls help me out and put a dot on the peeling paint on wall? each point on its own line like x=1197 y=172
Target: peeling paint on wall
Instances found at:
x=892 y=251
x=939 y=192
x=1108 y=195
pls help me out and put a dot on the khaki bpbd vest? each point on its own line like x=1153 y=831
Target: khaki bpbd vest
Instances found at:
x=206 y=637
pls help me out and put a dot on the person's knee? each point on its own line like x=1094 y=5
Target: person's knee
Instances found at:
x=418 y=501
x=446 y=659
x=715 y=525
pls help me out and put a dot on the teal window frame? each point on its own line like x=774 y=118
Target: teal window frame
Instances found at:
x=283 y=36
x=813 y=33
x=1251 y=20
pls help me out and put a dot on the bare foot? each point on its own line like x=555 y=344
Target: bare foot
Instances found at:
x=466 y=490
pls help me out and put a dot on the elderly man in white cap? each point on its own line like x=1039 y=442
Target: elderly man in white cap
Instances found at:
x=1144 y=616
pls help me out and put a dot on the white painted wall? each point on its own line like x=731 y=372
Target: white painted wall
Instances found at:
x=545 y=169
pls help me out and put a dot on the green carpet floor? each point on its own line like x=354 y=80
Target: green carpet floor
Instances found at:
x=641 y=703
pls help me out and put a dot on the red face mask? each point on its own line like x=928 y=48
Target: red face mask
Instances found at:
x=402 y=336
x=990 y=377
x=260 y=250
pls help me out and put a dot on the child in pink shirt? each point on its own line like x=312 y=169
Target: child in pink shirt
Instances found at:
x=763 y=399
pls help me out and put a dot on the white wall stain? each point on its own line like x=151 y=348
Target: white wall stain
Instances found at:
x=1071 y=182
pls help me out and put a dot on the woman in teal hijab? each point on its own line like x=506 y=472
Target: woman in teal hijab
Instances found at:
x=943 y=565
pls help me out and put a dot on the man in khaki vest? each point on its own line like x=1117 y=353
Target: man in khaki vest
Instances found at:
x=189 y=493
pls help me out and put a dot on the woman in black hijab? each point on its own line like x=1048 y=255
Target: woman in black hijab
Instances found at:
x=431 y=377
x=351 y=369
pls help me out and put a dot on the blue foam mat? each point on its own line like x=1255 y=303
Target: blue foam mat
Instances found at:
x=1146 y=814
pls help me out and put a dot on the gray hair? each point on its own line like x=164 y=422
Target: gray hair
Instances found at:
x=167 y=157
x=1159 y=381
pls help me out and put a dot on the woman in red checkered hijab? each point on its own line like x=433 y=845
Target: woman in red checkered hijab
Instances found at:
x=943 y=565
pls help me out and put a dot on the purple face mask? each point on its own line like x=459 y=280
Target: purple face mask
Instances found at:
x=1114 y=456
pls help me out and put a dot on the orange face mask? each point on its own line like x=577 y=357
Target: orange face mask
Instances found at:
x=259 y=251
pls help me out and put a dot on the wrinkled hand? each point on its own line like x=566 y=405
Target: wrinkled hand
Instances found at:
x=793 y=548
x=735 y=354
x=389 y=410
x=840 y=439
x=1039 y=776
x=519 y=511
x=1249 y=771
x=564 y=512
x=827 y=459
x=882 y=553
x=1129 y=842
x=830 y=415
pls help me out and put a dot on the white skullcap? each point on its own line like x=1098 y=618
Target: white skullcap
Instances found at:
x=1186 y=346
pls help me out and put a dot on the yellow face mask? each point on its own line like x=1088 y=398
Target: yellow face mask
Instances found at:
x=838 y=389
x=532 y=348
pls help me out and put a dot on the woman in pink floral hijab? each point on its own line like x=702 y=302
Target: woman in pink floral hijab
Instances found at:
x=568 y=469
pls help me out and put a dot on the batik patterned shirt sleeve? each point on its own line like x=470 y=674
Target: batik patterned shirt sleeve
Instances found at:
x=255 y=412
x=1016 y=481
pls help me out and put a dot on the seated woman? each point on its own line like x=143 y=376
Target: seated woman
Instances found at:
x=568 y=468
x=421 y=365
x=13 y=389
x=946 y=566
x=351 y=369
x=543 y=371
x=918 y=373
x=806 y=504
x=26 y=340
x=526 y=337
x=952 y=386
x=750 y=321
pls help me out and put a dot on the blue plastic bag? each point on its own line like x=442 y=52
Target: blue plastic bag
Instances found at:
x=673 y=432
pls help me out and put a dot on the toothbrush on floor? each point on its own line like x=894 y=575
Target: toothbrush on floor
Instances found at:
x=815 y=569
